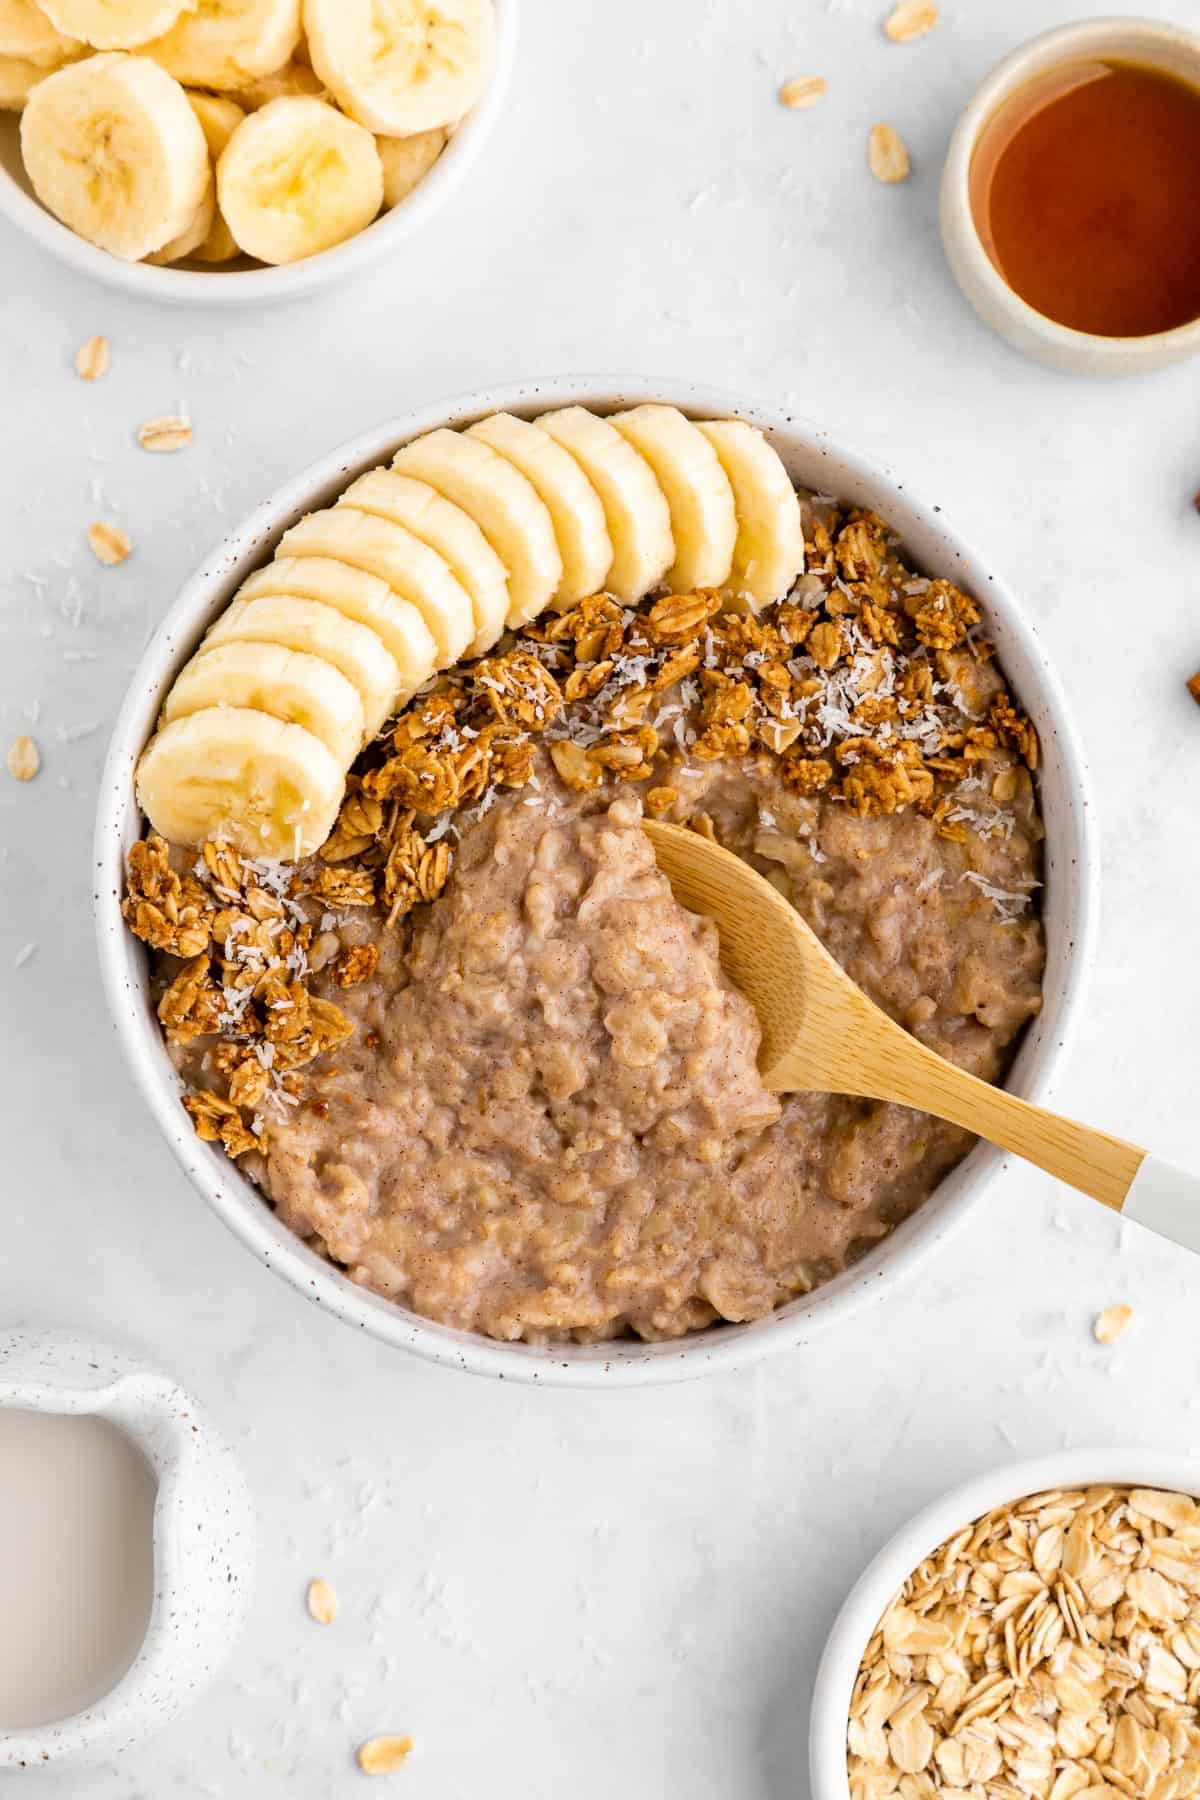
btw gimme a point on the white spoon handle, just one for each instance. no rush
(1167, 1200)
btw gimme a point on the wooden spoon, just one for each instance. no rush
(821, 1033)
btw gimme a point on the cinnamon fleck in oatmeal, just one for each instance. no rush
(475, 1052)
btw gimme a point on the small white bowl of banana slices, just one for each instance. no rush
(277, 144)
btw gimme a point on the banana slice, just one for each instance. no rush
(448, 530)
(411, 569)
(269, 788)
(295, 78)
(189, 241)
(291, 685)
(227, 43)
(360, 597)
(573, 504)
(506, 507)
(18, 78)
(219, 245)
(352, 649)
(27, 32)
(219, 118)
(405, 67)
(700, 499)
(297, 177)
(406, 161)
(635, 508)
(112, 24)
(769, 553)
(113, 149)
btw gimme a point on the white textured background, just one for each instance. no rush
(556, 1593)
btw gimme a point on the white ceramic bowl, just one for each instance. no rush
(203, 1538)
(243, 283)
(816, 460)
(872, 1593)
(1172, 49)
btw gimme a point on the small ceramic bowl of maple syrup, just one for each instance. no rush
(1070, 202)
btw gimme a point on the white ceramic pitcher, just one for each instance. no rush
(203, 1537)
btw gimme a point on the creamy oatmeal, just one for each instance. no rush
(478, 1055)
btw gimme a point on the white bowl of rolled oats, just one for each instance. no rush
(550, 1307)
(1033, 1633)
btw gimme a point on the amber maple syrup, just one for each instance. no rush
(1085, 188)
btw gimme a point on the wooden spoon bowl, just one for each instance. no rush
(821, 1033)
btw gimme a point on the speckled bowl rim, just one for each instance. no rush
(887, 1571)
(816, 457)
(222, 287)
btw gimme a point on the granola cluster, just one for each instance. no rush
(869, 685)
(864, 684)
(474, 733)
(242, 936)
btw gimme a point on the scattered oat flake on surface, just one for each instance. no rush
(803, 90)
(1111, 1324)
(322, 1601)
(1193, 687)
(109, 544)
(92, 358)
(911, 19)
(24, 758)
(384, 1755)
(170, 432)
(887, 154)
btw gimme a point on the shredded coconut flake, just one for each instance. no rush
(1008, 904)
